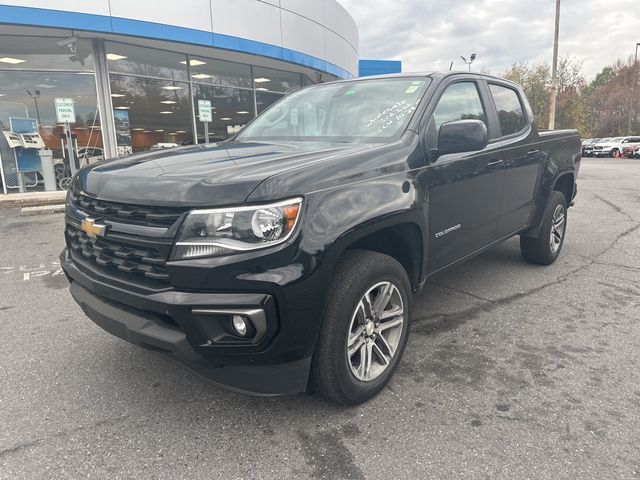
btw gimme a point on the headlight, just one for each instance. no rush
(224, 231)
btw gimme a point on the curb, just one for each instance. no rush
(41, 210)
(9, 203)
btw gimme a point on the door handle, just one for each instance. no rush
(495, 163)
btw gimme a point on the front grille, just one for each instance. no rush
(124, 213)
(120, 253)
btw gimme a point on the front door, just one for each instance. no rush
(464, 189)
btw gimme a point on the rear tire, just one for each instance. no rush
(544, 249)
(364, 330)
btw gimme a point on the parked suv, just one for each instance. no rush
(287, 257)
(629, 147)
(587, 146)
(614, 146)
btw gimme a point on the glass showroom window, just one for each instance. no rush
(34, 71)
(271, 85)
(150, 113)
(276, 80)
(145, 62)
(232, 108)
(265, 99)
(45, 53)
(219, 72)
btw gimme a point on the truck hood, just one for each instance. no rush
(211, 175)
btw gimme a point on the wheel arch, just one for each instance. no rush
(565, 184)
(401, 237)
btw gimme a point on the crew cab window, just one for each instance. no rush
(510, 112)
(460, 101)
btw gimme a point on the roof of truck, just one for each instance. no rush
(437, 75)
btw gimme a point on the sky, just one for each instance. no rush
(428, 34)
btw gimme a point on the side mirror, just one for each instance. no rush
(462, 136)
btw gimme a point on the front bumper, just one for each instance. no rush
(167, 322)
(602, 153)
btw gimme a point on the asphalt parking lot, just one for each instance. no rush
(512, 371)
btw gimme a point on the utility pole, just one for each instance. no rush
(554, 71)
(634, 100)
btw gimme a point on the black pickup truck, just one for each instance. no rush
(285, 259)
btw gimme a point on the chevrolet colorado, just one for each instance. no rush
(285, 259)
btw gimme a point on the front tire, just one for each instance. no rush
(544, 249)
(364, 330)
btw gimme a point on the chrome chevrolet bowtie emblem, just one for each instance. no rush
(91, 228)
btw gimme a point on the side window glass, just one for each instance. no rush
(460, 101)
(510, 113)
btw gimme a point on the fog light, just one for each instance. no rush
(239, 325)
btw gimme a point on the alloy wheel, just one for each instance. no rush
(375, 331)
(557, 228)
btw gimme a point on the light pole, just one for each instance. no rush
(471, 59)
(35, 95)
(554, 71)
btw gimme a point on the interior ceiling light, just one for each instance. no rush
(138, 129)
(166, 112)
(193, 62)
(115, 56)
(172, 87)
(12, 61)
(160, 130)
(84, 73)
(261, 80)
(122, 108)
(168, 102)
(2, 94)
(261, 89)
(117, 95)
(44, 85)
(181, 131)
(201, 76)
(242, 112)
(225, 119)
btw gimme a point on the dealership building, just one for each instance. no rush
(136, 70)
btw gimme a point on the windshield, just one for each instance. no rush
(363, 111)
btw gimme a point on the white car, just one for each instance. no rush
(90, 154)
(614, 146)
(87, 156)
(162, 146)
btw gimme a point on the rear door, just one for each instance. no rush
(522, 159)
(464, 189)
